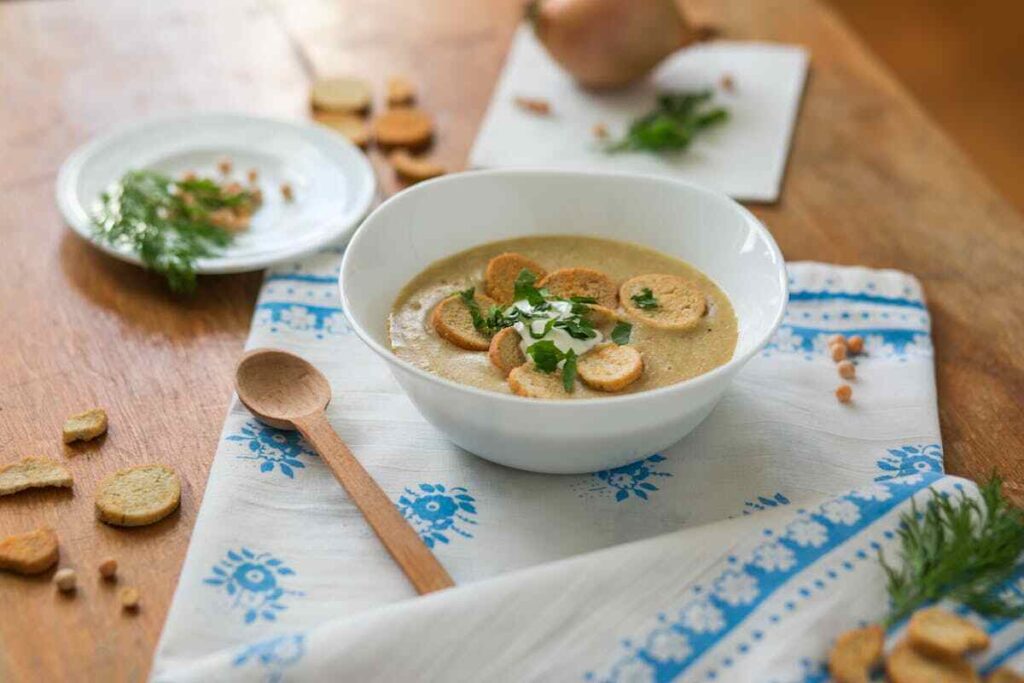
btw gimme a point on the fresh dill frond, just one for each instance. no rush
(166, 222)
(957, 547)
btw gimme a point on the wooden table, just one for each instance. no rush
(871, 181)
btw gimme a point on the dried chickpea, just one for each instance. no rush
(65, 579)
(847, 370)
(287, 192)
(224, 166)
(129, 597)
(600, 131)
(837, 339)
(108, 568)
(253, 175)
(844, 394)
(855, 344)
(837, 351)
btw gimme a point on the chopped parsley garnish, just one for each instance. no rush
(569, 371)
(525, 288)
(546, 356)
(168, 223)
(479, 322)
(672, 125)
(621, 333)
(645, 299)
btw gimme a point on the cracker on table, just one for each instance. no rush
(32, 472)
(137, 496)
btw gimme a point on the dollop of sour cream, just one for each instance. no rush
(560, 310)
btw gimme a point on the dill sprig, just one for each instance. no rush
(166, 222)
(673, 123)
(959, 548)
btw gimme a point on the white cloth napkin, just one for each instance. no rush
(738, 554)
(744, 157)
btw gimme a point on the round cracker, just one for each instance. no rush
(414, 169)
(528, 381)
(502, 272)
(936, 631)
(680, 303)
(136, 496)
(454, 323)
(610, 367)
(570, 282)
(351, 126)
(342, 94)
(405, 127)
(505, 353)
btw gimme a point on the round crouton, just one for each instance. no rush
(345, 95)
(943, 633)
(527, 380)
(502, 272)
(453, 321)
(570, 282)
(405, 127)
(906, 665)
(678, 304)
(504, 352)
(610, 367)
(136, 496)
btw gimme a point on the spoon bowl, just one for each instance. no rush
(279, 387)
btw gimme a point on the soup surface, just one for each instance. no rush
(676, 322)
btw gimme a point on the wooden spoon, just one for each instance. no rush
(286, 392)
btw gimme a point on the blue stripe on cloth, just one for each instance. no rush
(1003, 657)
(861, 297)
(670, 649)
(299, 277)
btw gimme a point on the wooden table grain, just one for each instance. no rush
(871, 181)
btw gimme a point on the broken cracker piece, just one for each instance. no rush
(412, 168)
(137, 496)
(855, 653)
(30, 473)
(85, 426)
(30, 553)
(905, 664)
(129, 597)
(936, 631)
(534, 105)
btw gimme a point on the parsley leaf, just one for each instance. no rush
(546, 356)
(621, 333)
(479, 322)
(569, 371)
(645, 299)
(676, 119)
(577, 328)
(525, 288)
(583, 299)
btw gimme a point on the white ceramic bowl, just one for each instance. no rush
(439, 218)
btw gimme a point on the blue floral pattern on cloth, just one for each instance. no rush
(910, 461)
(254, 582)
(276, 449)
(716, 609)
(436, 512)
(633, 480)
(320, 321)
(273, 655)
(764, 503)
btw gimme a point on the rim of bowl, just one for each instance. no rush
(732, 365)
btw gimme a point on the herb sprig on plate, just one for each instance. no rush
(957, 547)
(673, 123)
(167, 222)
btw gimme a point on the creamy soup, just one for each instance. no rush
(616, 317)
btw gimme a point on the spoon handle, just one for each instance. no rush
(400, 539)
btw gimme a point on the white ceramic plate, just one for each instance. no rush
(333, 181)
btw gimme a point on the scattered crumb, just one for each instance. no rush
(535, 105)
(65, 579)
(287, 192)
(855, 344)
(847, 370)
(85, 426)
(844, 394)
(600, 131)
(129, 597)
(837, 351)
(728, 83)
(224, 166)
(108, 568)
(253, 175)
